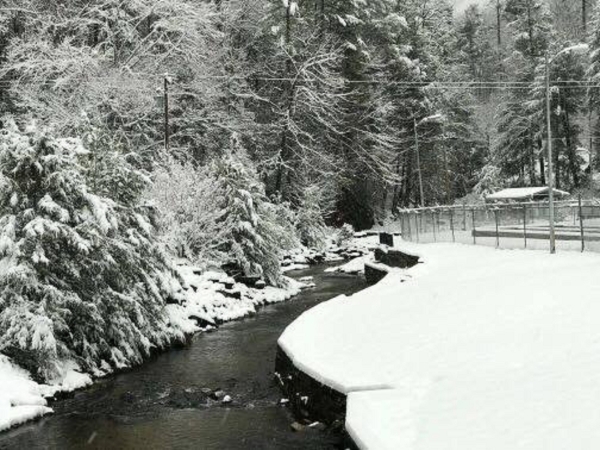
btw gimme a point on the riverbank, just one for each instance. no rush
(167, 401)
(209, 299)
(474, 348)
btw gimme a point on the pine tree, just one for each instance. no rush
(257, 231)
(519, 148)
(82, 277)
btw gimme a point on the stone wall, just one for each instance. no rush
(308, 398)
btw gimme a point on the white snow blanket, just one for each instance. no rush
(22, 399)
(479, 349)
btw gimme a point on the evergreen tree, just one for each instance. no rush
(257, 230)
(519, 148)
(82, 276)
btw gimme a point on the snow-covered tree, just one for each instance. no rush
(520, 121)
(81, 275)
(256, 230)
(190, 211)
(310, 218)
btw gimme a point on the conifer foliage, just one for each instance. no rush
(81, 276)
(258, 230)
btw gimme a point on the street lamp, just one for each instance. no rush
(581, 48)
(435, 117)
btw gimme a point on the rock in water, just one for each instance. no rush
(218, 394)
(297, 426)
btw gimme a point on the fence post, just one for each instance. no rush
(433, 225)
(464, 216)
(581, 224)
(417, 224)
(497, 228)
(474, 228)
(402, 228)
(525, 224)
(452, 224)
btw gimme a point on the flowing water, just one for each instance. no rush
(162, 405)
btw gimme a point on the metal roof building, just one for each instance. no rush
(524, 194)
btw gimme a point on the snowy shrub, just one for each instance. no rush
(310, 221)
(81, 275)
(191, 214)
(490, 180)
(257, 231)
(344, 234)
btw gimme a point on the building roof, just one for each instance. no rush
(524, 193)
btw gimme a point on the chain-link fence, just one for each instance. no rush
(515, 225)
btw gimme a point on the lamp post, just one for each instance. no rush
(581, 48)
(416, 127)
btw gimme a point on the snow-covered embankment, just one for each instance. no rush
(211, 298)
(477, 349)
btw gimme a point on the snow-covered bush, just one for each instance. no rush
(257, 231)
(191, 214)
(344, 234)
(490, 180)
(81, 275)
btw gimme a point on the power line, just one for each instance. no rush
(571, 84)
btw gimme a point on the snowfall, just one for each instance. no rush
(473, 348)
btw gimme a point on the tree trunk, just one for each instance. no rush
(532, 177)
(407, 179)
(283, 151)
(397, 184)
(541, 159)
(530, 34)
(569, 141)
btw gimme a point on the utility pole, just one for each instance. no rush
(584, 15)
(550, 162)
(419, 163)
(166, 101)
(498, 23)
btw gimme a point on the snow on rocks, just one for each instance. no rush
(354, 266)
(479, 349)
(214, 297)
(22, 399)
(301, 258)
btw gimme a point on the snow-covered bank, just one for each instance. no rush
(477, 349)
(214, 297)
(211, 298)
(22, 399)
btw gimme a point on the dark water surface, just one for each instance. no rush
(160, 405)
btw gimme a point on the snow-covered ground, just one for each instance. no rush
(22, 399)
(212, 298)
(478, 349)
